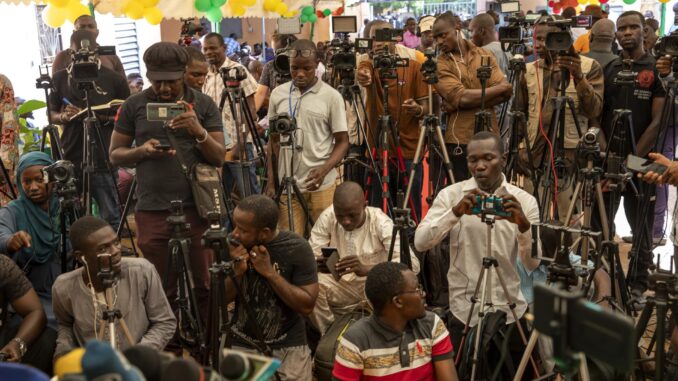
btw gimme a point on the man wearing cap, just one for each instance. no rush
(426, 29)
(215, 52)
(602, 37)
(194, 136)
(581, 44)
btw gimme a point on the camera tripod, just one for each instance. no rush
(50, 131)
(111, 314)
(486, 304)
(70, 211)
(189, 321)
(483, 121)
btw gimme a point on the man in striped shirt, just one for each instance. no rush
(401, 341)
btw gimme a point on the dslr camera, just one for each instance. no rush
(561, 41)
(491, 204)
(59, 172)
(282, 124)
(85, 61)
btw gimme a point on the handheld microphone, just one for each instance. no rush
(241, 366)
(102, 362)
(182, 370)
(149, 361)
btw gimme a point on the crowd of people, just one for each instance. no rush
(314, 221)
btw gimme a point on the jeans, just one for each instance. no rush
(396, 183)
(233, 175)
(103, 188)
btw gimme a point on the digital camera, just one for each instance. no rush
(60, 172)
(490, 205)
(282, 124)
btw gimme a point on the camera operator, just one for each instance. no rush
(451, 213)
(63, 59)
(199, 135)
(66, 101)
(215, 52)
(650, 34)
(460, 88)
(270, 77)
(321, 135)
(645, 100)
(196, 69)
(277, 277)
(30, 341)
(541, 83)
(408, 103)
(362, 236)
(79, 295)
(29, 228)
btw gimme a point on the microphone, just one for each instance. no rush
(182, 370)
(15, 371)
(241, 366)
(84, 44)
(70, 365)
(103, 363)
(149, 361)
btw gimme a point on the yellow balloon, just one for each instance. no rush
(250, 3)
(74, 10)
(582, 2)
(269, 5)
(54, 16)
(281, 8)
(237, 10)
(149, 3)
(134, 10)
(58, 3)
(153, 15)
(664, 1)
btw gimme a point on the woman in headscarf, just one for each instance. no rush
(29, 228)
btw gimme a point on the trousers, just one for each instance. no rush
(317, 202)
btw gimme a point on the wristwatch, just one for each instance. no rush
(22, 345)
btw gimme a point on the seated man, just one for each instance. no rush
(278, 284)
(371, 348)
(29, 228)
(79, 295)
(29, 342)
(362, 236)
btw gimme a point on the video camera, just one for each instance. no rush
(343, 58)
(517, 34)
(281, 64)
(59, 172)
(668, 45)
(86, 62)
(386, 61)
(233, 76)
(282, 124)
(562, 40)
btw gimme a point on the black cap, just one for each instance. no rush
(165, 61)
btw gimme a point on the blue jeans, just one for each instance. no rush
(397, 183)
(233, 174)
(103, 189)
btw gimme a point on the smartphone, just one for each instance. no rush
(162, 112)
(328, 251)
(641, 165)
(163, 147)
(331, 264)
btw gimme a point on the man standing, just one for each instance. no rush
(451, 213)
(407, 105)
(426, 29)
(199, 138)
(401, 341)
(410, 38)
(461, 89)
(362, 236)
(278, 280)
(540, 85)
(215, 52)
(196, 70)
(321, 137)
(645, 100)
(602, 38)
(581, 44)
(483, 35)
(67, 100)
(651, 37)
(79, 296)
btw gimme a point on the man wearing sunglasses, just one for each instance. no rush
(321, 137)
(401, 340)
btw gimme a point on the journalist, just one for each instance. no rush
(451, 213)
(278, 285)
(534, 95)
(196, 69)
(270, 77)
(362, 236)
(483, 35)
(199, 138)
(461, 89)
(214, 49)
(321, 137)
(602, 38)
(66, 101)
(29, 228)
(407, 105)
(426, 31)
(79, 295)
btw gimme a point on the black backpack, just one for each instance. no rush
(327, 347)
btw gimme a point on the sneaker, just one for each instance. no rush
(627, 239)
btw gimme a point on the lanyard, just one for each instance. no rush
(289, 100)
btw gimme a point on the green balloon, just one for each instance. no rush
(313, 18)
(218, 3)
(327, 12)
(303, 18)
(202, 5)
(308, 10)
(629, 2)
(214, 15)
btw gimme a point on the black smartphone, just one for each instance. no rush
(327, 251)
(163, 147)
(641, 165)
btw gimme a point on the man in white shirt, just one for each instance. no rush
(362, 236)
(451, 213)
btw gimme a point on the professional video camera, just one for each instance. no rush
(518, 31)
(281, 64)
(282, 124)
(59, 172)
(86, 62)
(343, 58)
(233, 75)
(668, 45)
(562, 40)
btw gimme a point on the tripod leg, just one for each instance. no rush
(467, 325)
(415, 162)
(125, 330)
(527, 355)
(479, 326)
(446, 156)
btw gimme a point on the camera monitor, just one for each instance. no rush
(363, 43)
(510, 7)
(344, 24)
(289, 26)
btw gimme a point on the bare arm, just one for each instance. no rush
(33, 315)
(445, 370)
(647, 140)
(121, 152)
(260, 96)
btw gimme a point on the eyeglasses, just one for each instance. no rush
(419, 289)
(300, 53)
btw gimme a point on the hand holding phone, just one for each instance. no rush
(641, 165)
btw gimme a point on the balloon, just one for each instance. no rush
(661, 1)
(58, 3)
(327, 12)
(312, 18)
(303, 18)
(606, 1)
(281, 8)
(551, 3)
(53, 16)
(214, 15)
(308, 11)
(218, 3)
(557, 8)
(319, 14)
(75, 10)
(153, 15)
(134, 10)
(289, 14)
(583, 2)
(629, 2)
(269, 5)
(149, 3)
(202, 5)
(238, 10)
(250, 3)
(340, 11)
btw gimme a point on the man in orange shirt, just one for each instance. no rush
(581, 44)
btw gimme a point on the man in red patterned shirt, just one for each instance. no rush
(401, 341)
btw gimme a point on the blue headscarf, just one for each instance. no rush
(43, 228)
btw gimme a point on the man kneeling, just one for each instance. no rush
(362, 236)
(79, 298)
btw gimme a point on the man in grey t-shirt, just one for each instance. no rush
(320, 140)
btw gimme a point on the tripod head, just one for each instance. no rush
(105, 273)
(626, 77)
(216, 238)
(232, 77)
(177, 220)
(44, 81)
(430, 67)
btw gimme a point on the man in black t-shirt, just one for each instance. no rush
(278, 280)
(194, 136)
(645, 99)
(66, 101)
